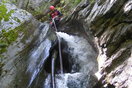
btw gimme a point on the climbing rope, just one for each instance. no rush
(53, 70)
(60, 55)
(53, 60)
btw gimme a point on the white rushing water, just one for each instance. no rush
(67, 80)
(82, 54)
(81, 51)
(39, 54)
(36, 62)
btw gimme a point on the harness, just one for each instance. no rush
(54, 14)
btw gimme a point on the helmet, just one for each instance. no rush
(51, 7)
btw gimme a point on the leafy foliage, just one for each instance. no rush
(4, 14)
(5, 1)
(66, 5)
(7, 38)
(92, 1)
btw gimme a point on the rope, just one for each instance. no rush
(53, 72)
(60, 55)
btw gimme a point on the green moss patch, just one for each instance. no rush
(4, 15)
(6, 38)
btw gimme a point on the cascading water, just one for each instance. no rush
(81, 51)
(36, 62)
(84, 64)
(79, 63)
(39, 54)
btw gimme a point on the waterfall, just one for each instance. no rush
(80, 56)
(83, 57)
(81, 51)
(39, 54)
(60, 54)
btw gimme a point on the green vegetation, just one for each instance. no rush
(1, 65)
(4, 15)
(66, 6)
(7, 38)
(5, 1)
(92, 1)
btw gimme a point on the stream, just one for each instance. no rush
(78, 59)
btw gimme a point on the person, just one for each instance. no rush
(55, 16)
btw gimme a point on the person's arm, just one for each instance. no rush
(60, 14)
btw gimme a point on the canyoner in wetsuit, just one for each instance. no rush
(55, 16)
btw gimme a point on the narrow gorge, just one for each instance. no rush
(94, 38)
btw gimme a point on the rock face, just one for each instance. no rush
(16, 59)
(110, 22)
(25, 57)
(9, 34)
(34, 5)
(17, 17)
(13, 62)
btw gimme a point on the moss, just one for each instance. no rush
(5, 1)
(16, 19)
(6, 38)
(92, 1)
(4, 14)
(1, 65)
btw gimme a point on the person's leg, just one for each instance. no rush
(57, 22)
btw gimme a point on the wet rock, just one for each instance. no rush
(80, 81)
(8, 57)
(32, 36)
(18, 17)
(110, 21)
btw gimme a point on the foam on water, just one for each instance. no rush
(81, 51)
